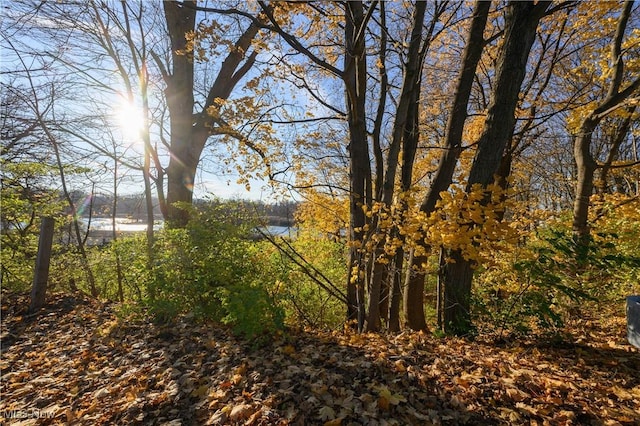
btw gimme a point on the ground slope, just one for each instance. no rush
(77, 363)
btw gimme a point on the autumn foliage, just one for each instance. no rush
(83, 362)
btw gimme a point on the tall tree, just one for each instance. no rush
(157, 61)
(414, 284)
(191, 126)
(521, 23)
(353, 76)
(355, 81)
(404, 139)
(616, 96)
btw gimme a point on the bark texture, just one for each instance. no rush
(190, 129)
(354, 77)
(415, 278)
(522, 20)
(402, 138)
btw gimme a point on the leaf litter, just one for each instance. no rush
(78, 363)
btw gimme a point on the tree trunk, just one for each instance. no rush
(43, 260)
(396, 293)
(415, 279)
(586, 167)
(404, 120)
(455, 282)
(378, 275)
(413, 295)
(585, 162)
(179, 92)
(442, 259)
(618, 138)
(190, 131)
(354, 76)
(114, 233)
(520, 29)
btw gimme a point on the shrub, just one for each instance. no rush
(209, 268)
(551, 277)
(304, 300)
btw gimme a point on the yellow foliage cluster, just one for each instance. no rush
(205, 42)
(594, 19)
(615, 212)
(470, 222)
(324, 213)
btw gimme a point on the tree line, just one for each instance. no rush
(424, 135)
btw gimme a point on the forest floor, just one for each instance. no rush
(77, 362)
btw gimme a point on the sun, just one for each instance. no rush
(130, 120)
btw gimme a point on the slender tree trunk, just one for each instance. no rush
(80, 241)
(442, 259)
(585, 162)
(586, 167)
(355, 74)
(618, 138)
(403, 121)
(396, 292)
(378, 275)
(114, 233)
(379, 158)
(386, 294)
(413, 295)
(415, 279)
(146, 173)
(43, 260)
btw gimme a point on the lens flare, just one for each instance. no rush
(130, 120)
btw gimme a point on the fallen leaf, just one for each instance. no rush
(327, 413)
(241, 412)
(200, 391)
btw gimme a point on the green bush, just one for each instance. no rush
(552, 277)
(209, 269)
(304, 300)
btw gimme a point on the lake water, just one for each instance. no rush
(123, 225)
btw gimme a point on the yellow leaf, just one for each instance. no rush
(200, 391)
(386, 398)
(400, 367)
(241, 370)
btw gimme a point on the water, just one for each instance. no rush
(122, 225)
(280, 231)
(102, 228)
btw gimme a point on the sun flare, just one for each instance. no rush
(130, 119)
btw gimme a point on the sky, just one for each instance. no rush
(209, 181)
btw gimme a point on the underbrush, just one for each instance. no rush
(214, 269)
(552, 279)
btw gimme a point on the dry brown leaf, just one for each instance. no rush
(241, 412)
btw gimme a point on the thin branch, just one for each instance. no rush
(295, 43)
(307, 268)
